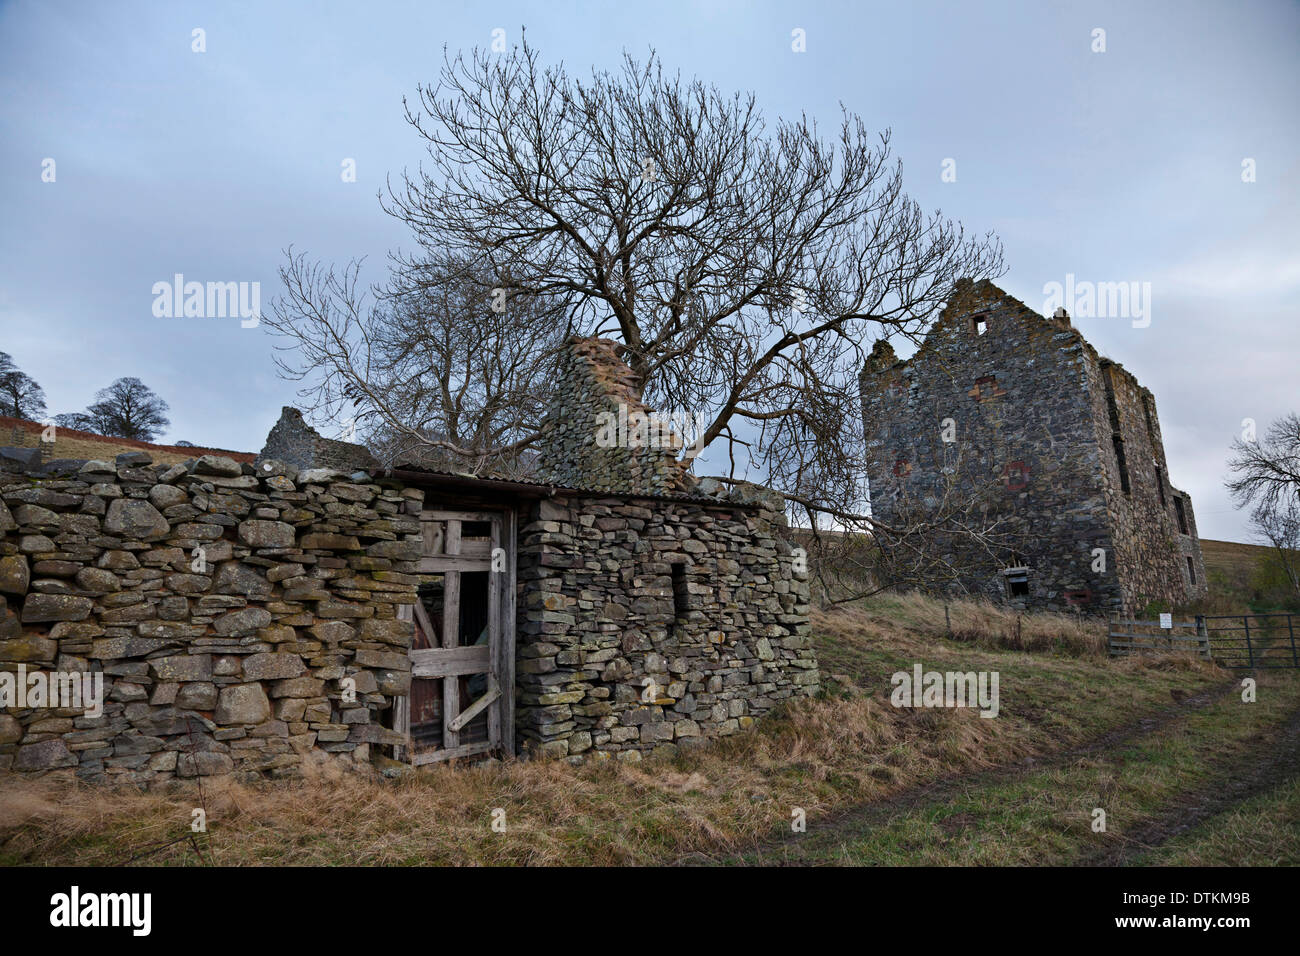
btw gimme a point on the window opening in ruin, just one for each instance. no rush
(1181, 512)
(1017, 581)
(1160, 485)
(1120, 462)
(681, 595)
(979, 324)
(1146, 410)
(1191, 571)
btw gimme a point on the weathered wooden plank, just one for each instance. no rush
(438, 563)
(431, 536)
(476, 548)
(450, 661)
(1185, 638)
(402, 705)
(449, 753)
(494, 635)
(451, 544)
(451, 638)
(429, 514)
(426, 625)
(1156, 647)
(476, 708)
(1167, 648)
(506, 644)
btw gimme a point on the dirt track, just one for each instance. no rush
(1269, 761)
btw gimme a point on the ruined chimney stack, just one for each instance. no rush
(599, 435)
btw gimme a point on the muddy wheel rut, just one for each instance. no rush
(1267, 763)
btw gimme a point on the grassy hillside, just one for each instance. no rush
(1075, 730)
(71, 443)
(1243, 577)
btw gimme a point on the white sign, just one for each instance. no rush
(1166, 620)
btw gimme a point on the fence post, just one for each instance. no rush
(1290, 627)
(1203, 635)
(1250, 650)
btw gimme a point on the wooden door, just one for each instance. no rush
(461, 701)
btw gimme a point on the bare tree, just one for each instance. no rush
(1267, 471)
(78, 420)
(740, 270)
(743, 267)
(439, 366)
(20, 395)
(1266, 477)
(126, 409)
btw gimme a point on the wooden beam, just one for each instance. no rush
(426, 625)
(476, 708)
(506, 645)
(449, 753)
(450, 639)
(495, 595)
(438, 563)
(430, 514)
(449, 661)
(431, 535)
(402, 705)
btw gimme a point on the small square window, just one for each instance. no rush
(1017, 582)
(979, 324)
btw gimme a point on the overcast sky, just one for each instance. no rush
(1122, 165)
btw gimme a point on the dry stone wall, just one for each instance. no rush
(648, 625)
(243, 617)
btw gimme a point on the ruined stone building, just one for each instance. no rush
(256, 617)
(1055, 447)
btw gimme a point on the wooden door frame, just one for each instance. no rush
(500, 656)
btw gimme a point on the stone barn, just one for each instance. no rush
(255, 618)
(1019, 416)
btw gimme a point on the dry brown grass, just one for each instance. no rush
(729, 795)
(974, 621)
(824, 756)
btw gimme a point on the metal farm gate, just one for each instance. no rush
(1266, 641)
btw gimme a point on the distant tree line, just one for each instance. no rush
(126, 409)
